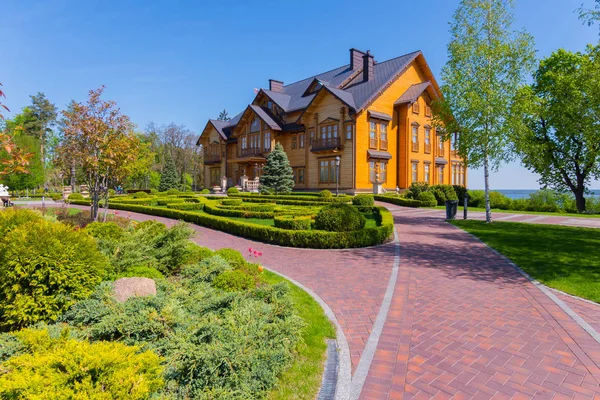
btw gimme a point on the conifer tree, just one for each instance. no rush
(277, 175)
(169, 179)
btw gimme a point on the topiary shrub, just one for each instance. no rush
(233, 190)
(45, 268)
(295, 223)
(140, 195)
(63, 368)
(205, 191)
(443, 193)
(105, 230)
(234, 281)
(364, 202)
(428, 199)
(231, 202)
(325, 193)
(416, 188)
(172, 191)
(75, 196)
(339, 217)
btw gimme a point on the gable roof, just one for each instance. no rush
(412, 93)
(266, 117)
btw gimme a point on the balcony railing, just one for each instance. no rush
(250, 151)
(427, 148)
(212, 158)
(383, 144)
(441, 152)
(415, 146)
(372, 143)
(320, 144)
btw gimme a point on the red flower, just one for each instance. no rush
(249, 249)
(260, 253)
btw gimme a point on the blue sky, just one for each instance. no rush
(184, 61)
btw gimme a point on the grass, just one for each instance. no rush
(561, 257)
(555, 214)
(303, 379)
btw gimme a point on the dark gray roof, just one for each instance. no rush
(412, 93)
(282, 100)
(440, 160)
(379, 115)
(219, 125)
(379, 155)
(266, 117)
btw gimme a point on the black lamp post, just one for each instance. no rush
(337, 175)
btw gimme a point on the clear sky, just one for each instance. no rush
(184, 61)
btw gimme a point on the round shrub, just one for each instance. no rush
(325, 193)
(75, 196)
(293, 222)
(443, 193)
(63, 368)
(111, 192)
(153, 191)
(363, 200)
(140, 195)
(172, 191)
(428, 199)
(233, 281)
(105, 230)
(233, 257)
(232, 190)
(205, 191)
(231, 202)
(339, 217)
(45, 267)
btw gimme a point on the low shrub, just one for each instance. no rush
(339, 217)
(325, 193)
(63, 368)
(416, 188)
(546, 200)
(14, 217)
(497, 199)
(105, 230)
(460, 193)
(205, 191)
(196, 253)
(233, 281)
(171, 192)
(45, 268)
(164, 202)
(427, 199)
(225, 212)
(443, 193)
(363, 200)
(140, 195)
(143, 271)
(231, 202)
(232, 190)
(399, 201)
(233, 257)
(129, 200)
(75, 196)
(296, 223)
(186, 206)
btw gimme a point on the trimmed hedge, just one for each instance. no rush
(295, 223)
(143, 201)
(225, 212)
(164, 202)
(231, 202)
(283, 237)
(186, 206)
(399, 201)
(303, 198)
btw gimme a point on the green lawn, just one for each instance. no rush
(561, 257)
(496, 210)
(303, 379)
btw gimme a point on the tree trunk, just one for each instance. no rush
(73, 178)
(580, 199)
(486, 172)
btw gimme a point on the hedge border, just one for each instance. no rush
(268, 234)
(399, 201)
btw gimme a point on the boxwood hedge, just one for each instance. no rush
(399, 201)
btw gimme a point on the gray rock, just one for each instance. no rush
(131, 287)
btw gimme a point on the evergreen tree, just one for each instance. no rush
(169, 178)
(277, 175)
(223, 116)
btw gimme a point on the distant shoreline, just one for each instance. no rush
(524, 193)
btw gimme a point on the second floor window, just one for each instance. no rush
(426, 172)
(383, 136)
(267, 141)
(255, 125)
(373, 135)
(427, 135)
(415, 134)
(244, 142)
(348, 131)
(294, 142)
(415, 172)
(329, 131)
(301, 140)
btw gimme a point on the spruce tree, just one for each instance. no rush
(169, 179)
(277, 175)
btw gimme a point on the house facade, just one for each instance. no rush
(375, 116)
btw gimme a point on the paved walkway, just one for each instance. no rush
(462, 323)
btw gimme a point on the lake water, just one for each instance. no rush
(524, 193)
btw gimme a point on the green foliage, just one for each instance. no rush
(164, 202)
(140, 195)
(169, 178)
(186, 206)
(339, 217)
(325, 193)
(34, 176)
(233, 281)
(205, 191)
(172, 192)
(141, 271)
(15, 217)
(296, 223)
(427, 199)
(231, 202)
(105, 230)
(233, 257)
(416, 188)
(67, 368)
(497, 199)
(45, 267)
(443, 193)
(232, 190)
(399, 201)
(75, 196)
(460, 193)
(556, 122)
(196, 253)
(363, 200)
(277, 175)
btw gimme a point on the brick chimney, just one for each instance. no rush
(356, 58)
(275, 86)
(368, 67)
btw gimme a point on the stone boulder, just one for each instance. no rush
(131, 287)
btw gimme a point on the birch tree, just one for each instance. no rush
(487, 62)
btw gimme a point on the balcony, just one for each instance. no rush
(324, 144)
(212, 158)
(250, 152)
(415, 147)
(427, 148)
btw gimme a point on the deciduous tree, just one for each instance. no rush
(487, 62)
(277, 175)
(557, 122)
(12, 158)
(588, 15)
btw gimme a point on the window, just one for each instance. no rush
(311, 133)
(267, 141)
(383, 171)
(441, 152)
(426, 172)
(301, 140)
(427, 111)
(348, 131)
(383, 143)
(300, 175)
(294, 142)
(427, 139)
(415, 138)
(255, 125)
(372, 171)
(244, 142)
(415, 107)
(327, 171)
(215, 176)
(270, 105)
(454, 174)
(329, 131)
(415, 172)
(373, 135)
(440, 174)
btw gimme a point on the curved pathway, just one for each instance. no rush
(462, 322)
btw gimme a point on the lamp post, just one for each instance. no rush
(337, 175)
